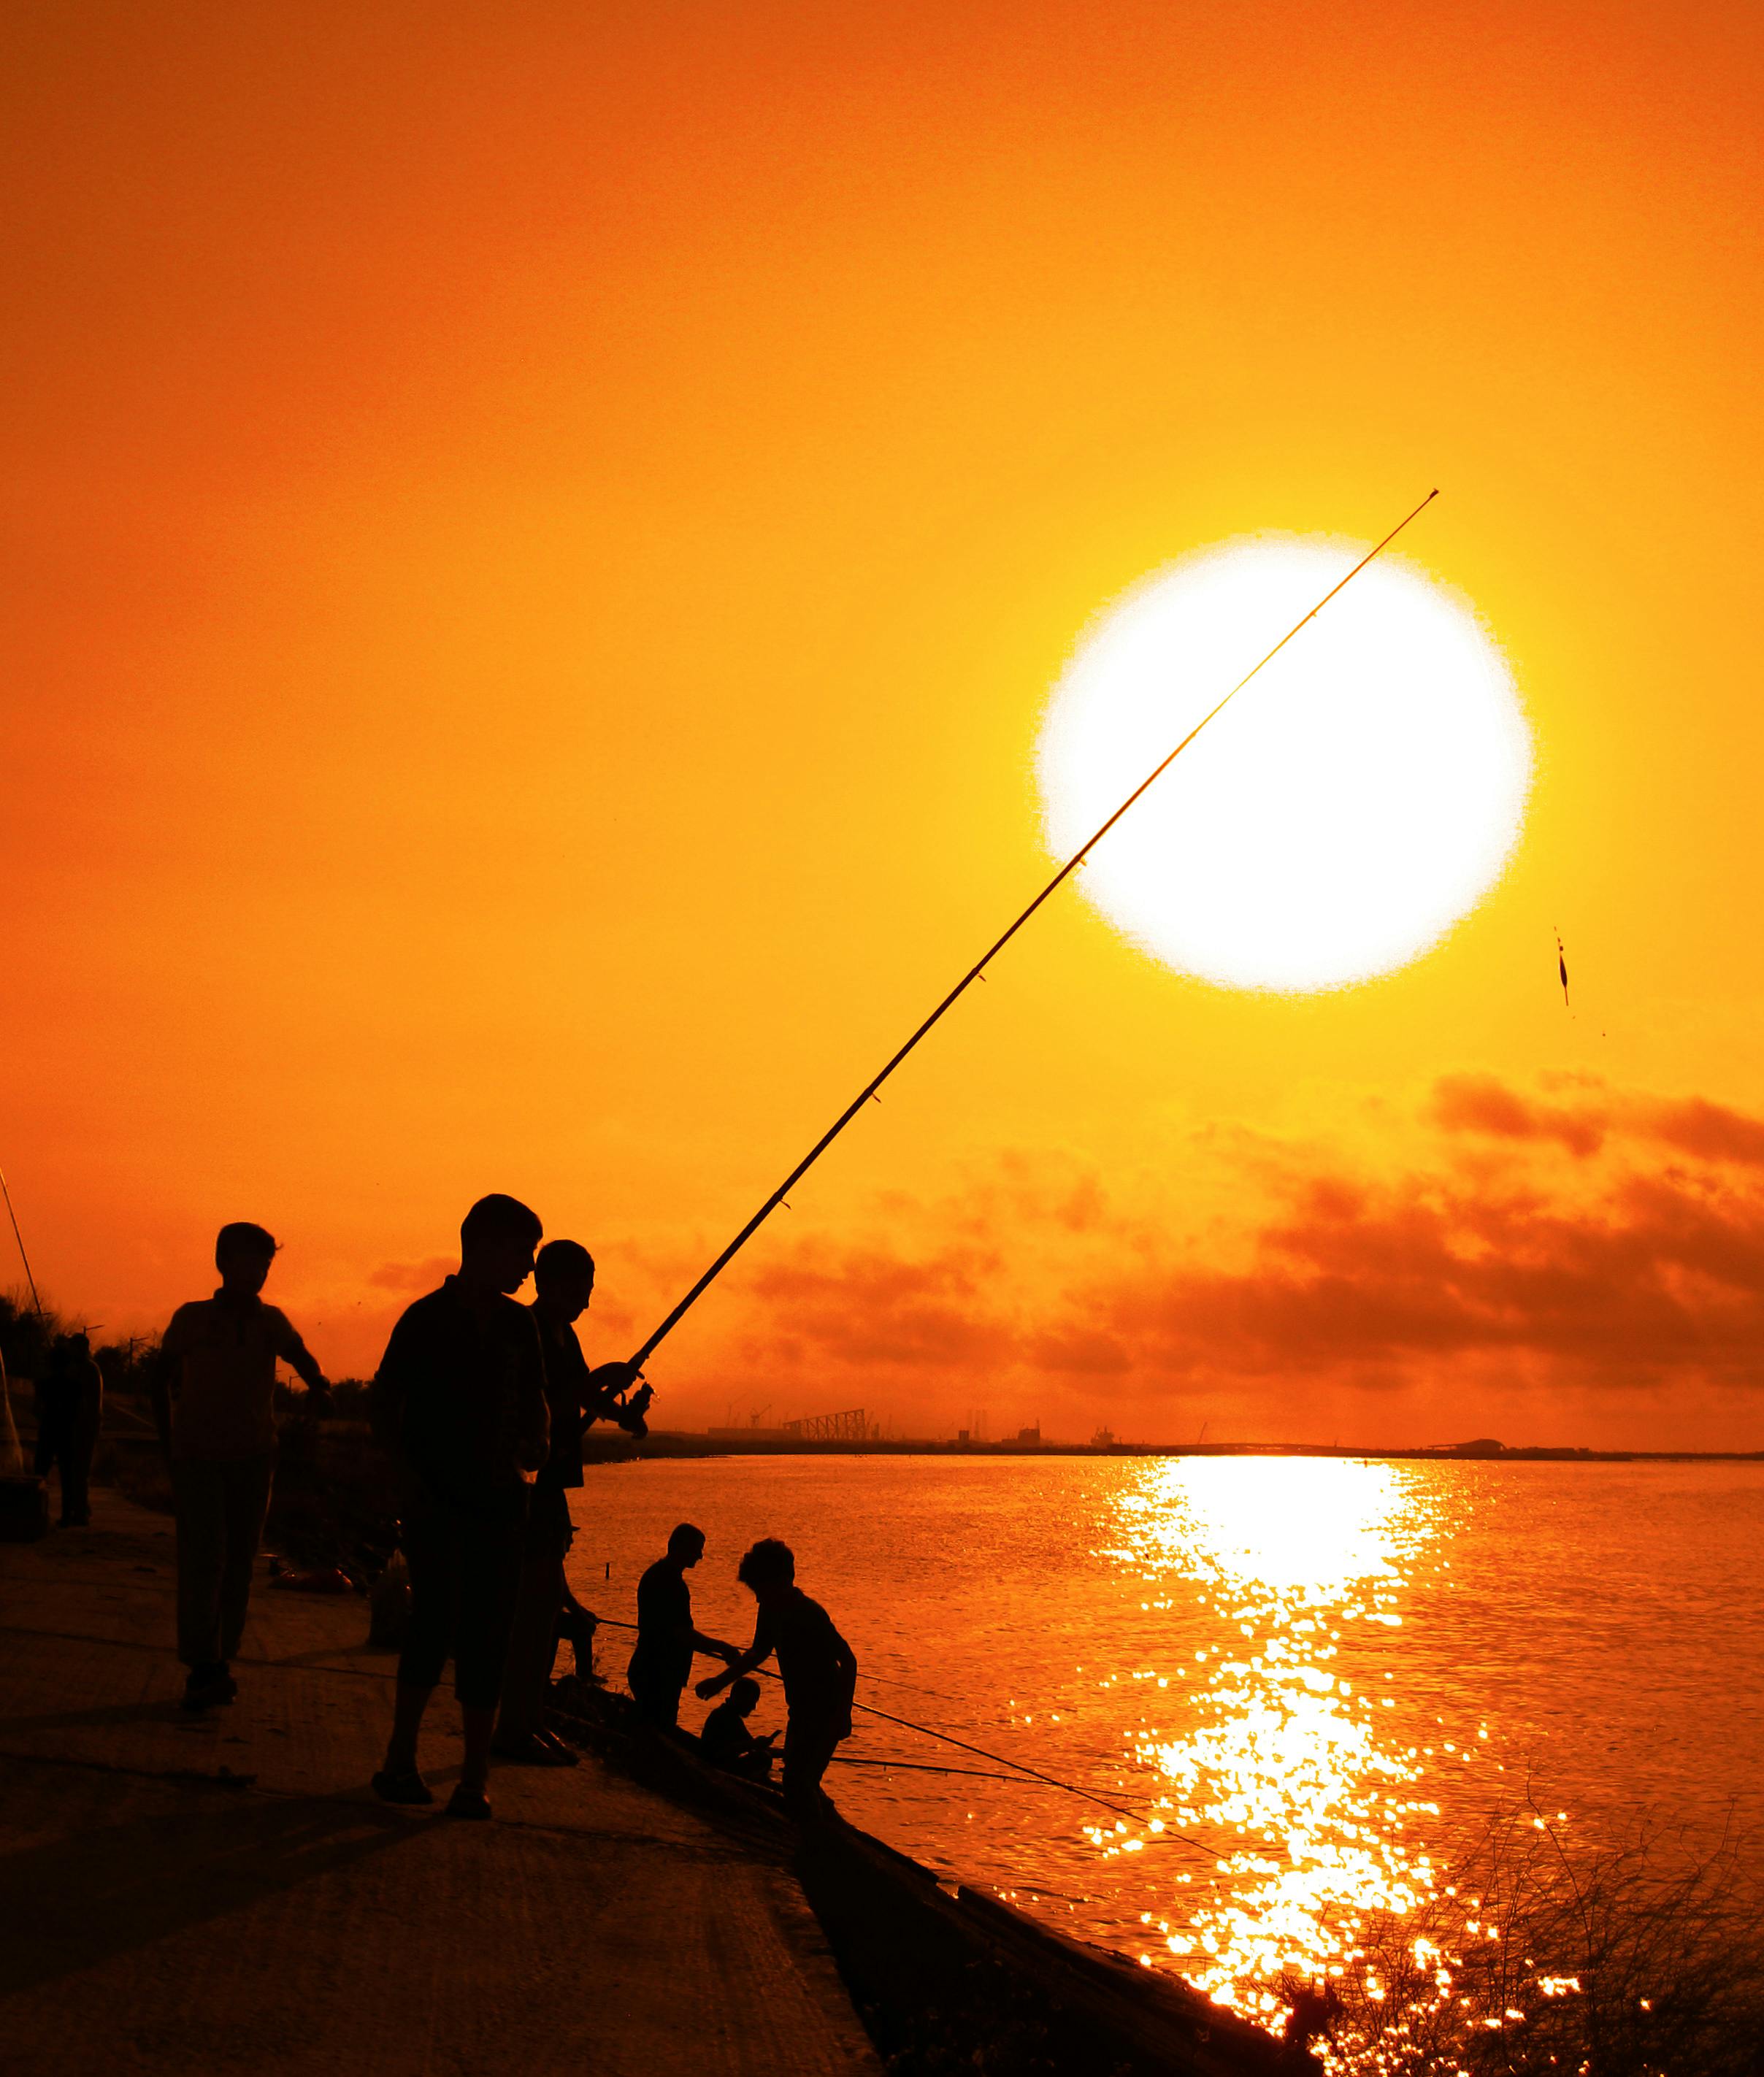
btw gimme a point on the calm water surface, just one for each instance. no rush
(1307, 1680)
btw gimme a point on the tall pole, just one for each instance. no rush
(35, 1301)
(977, 972)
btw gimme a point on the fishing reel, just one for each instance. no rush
(626, 1406)
(628, 1409)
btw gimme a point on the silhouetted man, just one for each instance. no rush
(819, 1670)
(661, 1665)
(70, 1408)
(459, 1402)
(213, 1393)
(563, 1283)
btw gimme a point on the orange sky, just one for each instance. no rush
(536, 540)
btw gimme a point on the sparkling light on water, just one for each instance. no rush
(1277, 1763)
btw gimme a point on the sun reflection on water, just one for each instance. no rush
(1293, 1776)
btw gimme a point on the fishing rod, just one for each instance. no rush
(924, 1766)
(977, 972)
(37, 1303)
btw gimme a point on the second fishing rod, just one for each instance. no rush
(872, 1088)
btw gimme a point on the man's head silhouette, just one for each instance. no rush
(498, 1237)
(242, 1254)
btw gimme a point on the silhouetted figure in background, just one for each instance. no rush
(213, 1393)
(70, 1409)
(563, 1283)
(459, 1402)
(727, 1741)
(819, 1670)
(661, 1665)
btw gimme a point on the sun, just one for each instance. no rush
(1355, 800)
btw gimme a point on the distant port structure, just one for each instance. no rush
(852, 1426)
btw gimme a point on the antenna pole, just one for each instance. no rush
(977, 972)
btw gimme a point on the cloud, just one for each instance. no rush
(870, 1305)
(1641, 1272)
(1571, 1235)
(413, 1276)
(1706, 1131)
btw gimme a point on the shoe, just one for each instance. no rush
(468, 1803)
(531, 1749)
(401, 1784)
(208, 1687)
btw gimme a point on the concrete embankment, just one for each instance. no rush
(203, 1894)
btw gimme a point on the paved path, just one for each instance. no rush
(157, 1912)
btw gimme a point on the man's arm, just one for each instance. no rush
(296, 1355)
(757, 1654)
(847, 1664)
(532, 1409)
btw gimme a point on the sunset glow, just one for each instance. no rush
(562, 564)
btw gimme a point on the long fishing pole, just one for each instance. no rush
(35, 1301)
(977, 972)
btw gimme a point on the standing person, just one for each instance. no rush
(819, 1670)
(70, 1408)
(459, 1402)
(562, 1283)
(661, 1665)
(213, 1394)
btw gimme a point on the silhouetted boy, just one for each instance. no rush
(458, 1401)
(661, 1665)
(213, 1393)
(563, 1283)
(70, 1409)
(727, 1741)
(819, 1669)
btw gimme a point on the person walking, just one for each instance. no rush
(214, 1396)
(70, 1411)
(576, 1396)
(459, 1402)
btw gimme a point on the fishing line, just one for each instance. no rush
(924, 1766)
(977, 970)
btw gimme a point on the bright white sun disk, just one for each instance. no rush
(1355, 801)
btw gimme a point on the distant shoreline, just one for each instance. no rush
(663, 1444)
